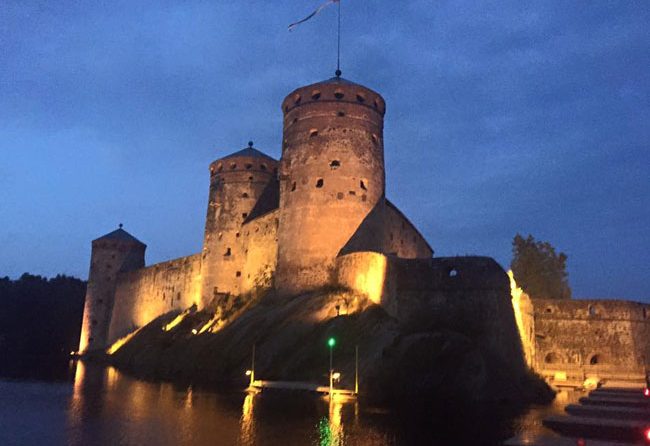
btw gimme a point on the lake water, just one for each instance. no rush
(93, 405)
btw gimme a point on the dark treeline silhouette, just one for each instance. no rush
(40, 317)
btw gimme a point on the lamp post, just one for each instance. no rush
(252, 367)
(356, 370)
(331, 342)
(251, 372)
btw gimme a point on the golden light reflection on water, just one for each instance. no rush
(108, 407)
(247, 421)
(330, 428)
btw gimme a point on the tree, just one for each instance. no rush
(538, 270)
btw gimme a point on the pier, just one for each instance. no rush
(608, 416)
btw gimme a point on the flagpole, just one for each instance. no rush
(338, 44)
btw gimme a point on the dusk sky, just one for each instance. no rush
(502, 117)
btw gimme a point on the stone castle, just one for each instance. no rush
(319, 218)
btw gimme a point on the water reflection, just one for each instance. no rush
(104, 406)
(330, 429)
(247, 422)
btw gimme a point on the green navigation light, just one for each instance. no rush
(331, 342)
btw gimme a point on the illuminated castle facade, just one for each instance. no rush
(318, 217)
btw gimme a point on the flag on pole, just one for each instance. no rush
(319, 9)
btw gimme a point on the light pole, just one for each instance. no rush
(251, 372)
(252, 367)
(356, 370)
(331, 342)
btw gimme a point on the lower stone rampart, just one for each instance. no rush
(143, 295)
(467, 295)
(604, 339)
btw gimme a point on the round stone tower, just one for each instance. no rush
(331, 176)
(236, 183)
(111, 254)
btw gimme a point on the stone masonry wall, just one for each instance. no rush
(147, 293)
(260, 244)
(331, 177)
(109, 258)
(599, 336)
(236, 184)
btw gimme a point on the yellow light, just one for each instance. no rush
(517, 295)
(336, 376)
(206, 326)
(371, 282)
(248, 372)
(177, 320)
(194, 331)
(120, 342)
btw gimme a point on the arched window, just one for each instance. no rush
(319, 183)
(335, 164)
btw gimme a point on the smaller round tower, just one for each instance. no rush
(236, 184)
(111, 254)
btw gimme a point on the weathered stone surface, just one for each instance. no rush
(319, 219)
(112, 254)
(606, 339)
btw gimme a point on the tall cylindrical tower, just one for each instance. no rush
(111, 254)
(331, 176)
(236, 183)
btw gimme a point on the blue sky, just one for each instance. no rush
(502, 117)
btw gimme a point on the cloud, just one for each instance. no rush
(502, 117)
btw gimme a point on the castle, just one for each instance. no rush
(295, 222)
(319, 218)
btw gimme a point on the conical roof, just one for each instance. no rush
(120, 235)
(250, 152)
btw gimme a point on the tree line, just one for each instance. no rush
(39, 316)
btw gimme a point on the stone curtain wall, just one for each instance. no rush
(259, 239)
(469, 295)
(604, 336)
(147, 293)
